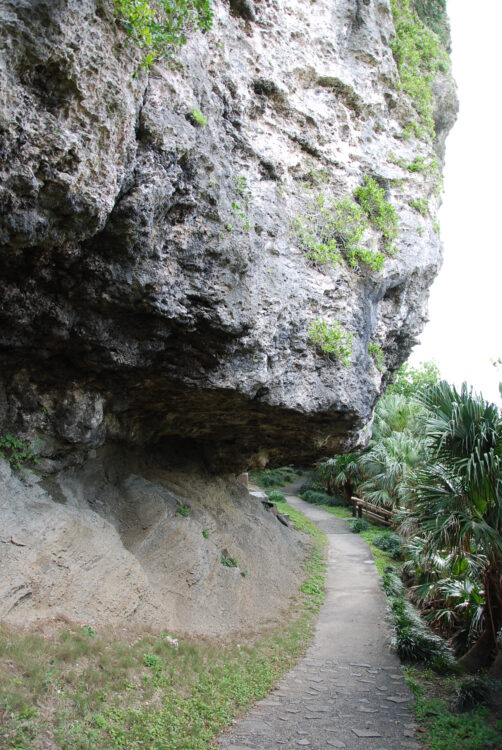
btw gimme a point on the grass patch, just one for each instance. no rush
(100, 692)
(443, 729)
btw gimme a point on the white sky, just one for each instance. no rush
(464, 331)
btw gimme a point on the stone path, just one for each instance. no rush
(348, 692)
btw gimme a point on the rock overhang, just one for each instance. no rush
(153, 284)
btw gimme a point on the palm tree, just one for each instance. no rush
(341, 473)
(386, 465)
(455, 499)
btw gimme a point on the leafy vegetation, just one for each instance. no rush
(380, 213)
(376, 353)
(227, 561)
(159, 28)
(183, 510)
(421, 205)
(17, 452)
(333, 230)
(198, 118)
(270, 478)
(420, 56)
(320, 498)
(276, 496)
(445, 724)
(435, 458)
(358, 525)
(241, 208)
(333, 340)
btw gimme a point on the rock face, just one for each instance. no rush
(153, 291)
(124, 542)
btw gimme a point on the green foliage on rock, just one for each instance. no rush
(421, 205)
(198, 118)
(332, 340)
(380, 213)
(433, 13)
(333, 230)
(227, 561)
(160, 27)
(420, 56)
(376, 353)
(17, 452)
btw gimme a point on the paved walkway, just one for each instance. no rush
(348, 692)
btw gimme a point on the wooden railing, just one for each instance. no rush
(363, 509)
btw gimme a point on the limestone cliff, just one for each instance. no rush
(154, 290)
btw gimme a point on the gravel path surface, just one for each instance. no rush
(348, 691)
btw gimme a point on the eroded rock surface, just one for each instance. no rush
(138, 304)
(125, 542)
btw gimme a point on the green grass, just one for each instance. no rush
(442, 729)
(274, 478)
(79, 690)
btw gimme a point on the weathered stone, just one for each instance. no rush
(366, 733)
(138, 305)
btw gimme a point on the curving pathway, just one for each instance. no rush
(348, 691)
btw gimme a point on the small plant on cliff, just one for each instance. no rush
(198, 118)
(16, 451)
(380, 213)
(183, 510)
(227, 561)
(160, 27)
(332, 231)
(205, 533)
(421, 205)
(332, 340)
(376, 353)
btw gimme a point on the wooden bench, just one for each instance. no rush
(363, 509)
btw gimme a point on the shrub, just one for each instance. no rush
(198, 118)
(273, 477)
(275, 496)
(321, 498)
(16, 451)
(421, 205)
(389, 542)
(332, 231)
(332, 340)
(413, 640)
(183, 510)
(380, 213)
(419, 56)
(358, 525)
(152, 661)
(376, 353)
(160, 28)
(474, 690)
(205, 533)
(227, 561)
(392, 584)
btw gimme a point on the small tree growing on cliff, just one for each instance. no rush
(160, 27)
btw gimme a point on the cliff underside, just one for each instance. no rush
(211, 265)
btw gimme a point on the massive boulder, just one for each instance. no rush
(153, 289)
(157, 289)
